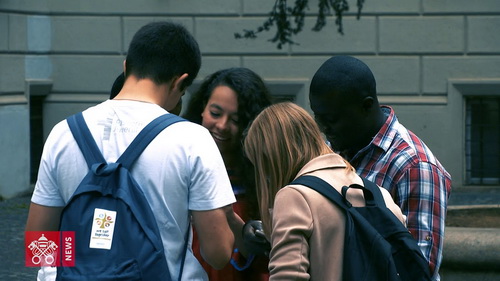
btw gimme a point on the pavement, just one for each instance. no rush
(13, 214)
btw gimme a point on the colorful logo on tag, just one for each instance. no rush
(49, 248)
(103, 226)
(104, 221)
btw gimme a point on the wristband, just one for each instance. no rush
(247, 264)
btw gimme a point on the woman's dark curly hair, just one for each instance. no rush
(253, 96)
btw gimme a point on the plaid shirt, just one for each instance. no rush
(399, 161)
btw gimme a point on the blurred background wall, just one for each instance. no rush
(437, 62)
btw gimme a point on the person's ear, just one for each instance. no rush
(368, 103)
(178, 83)
(124, 67)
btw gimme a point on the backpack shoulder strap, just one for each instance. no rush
(145, 137)
(323, 188)
(93, 155)
(375, 190)
(84, 139)
(371, 192)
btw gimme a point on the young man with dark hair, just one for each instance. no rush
(343, 97)
(181, 172)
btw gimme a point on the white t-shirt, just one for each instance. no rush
(180, 170)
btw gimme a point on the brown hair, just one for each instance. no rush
(281, 140)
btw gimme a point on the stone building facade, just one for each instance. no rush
(434, 61)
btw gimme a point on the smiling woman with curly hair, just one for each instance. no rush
(225, 103)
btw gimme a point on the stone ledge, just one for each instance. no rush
(467, 248)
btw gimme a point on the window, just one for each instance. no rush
(285, 91)
(482, 143)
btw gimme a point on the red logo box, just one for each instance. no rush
(49, 248)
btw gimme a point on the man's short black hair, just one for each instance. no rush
(346, 75)
(161, 51)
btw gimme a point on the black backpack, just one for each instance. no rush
(377, 245)
(116, 234)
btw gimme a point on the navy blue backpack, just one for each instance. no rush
(116, 234)
(377, 246)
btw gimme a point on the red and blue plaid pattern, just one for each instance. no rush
(399, 161)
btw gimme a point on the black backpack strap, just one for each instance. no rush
(323, 188)
(375, 190)
(145, 137)
(84, 139)
(371, 192)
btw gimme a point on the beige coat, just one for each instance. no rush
(308, 230)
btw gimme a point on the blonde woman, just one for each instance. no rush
(305, 229)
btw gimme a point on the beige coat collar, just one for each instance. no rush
(326, 161)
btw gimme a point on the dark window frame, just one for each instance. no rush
(482, 139)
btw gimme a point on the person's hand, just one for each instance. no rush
(254, 238)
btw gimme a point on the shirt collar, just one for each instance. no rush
(326, 161)
(386, 134)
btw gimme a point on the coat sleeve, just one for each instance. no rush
(292, 226)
